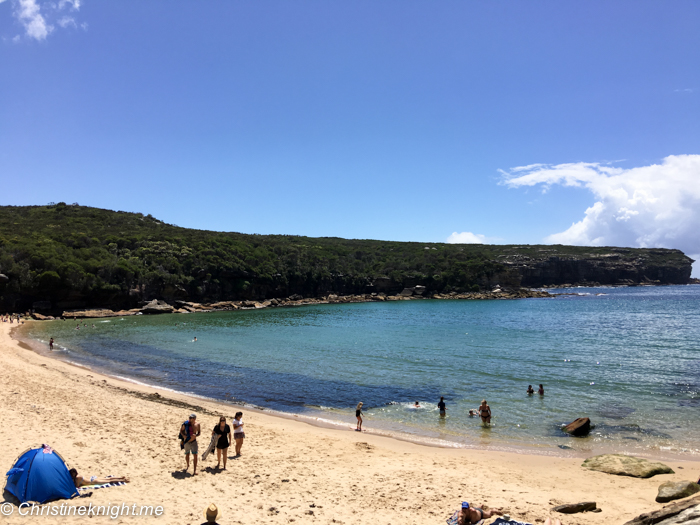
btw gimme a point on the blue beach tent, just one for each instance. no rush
(40, 475)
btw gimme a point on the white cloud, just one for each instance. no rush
(66, 21)
(466, 238)
(37, 17)
(29, 14)
(74, 4)
(648, 206)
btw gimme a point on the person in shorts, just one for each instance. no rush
(188, 433)
(238, 434)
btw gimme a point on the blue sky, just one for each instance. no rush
(398, 120)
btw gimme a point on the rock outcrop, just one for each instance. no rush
(579, 427)
(575, 508)
(686, 512)
(96, 313)
(157, 307)
(671, 490)
(622, 465)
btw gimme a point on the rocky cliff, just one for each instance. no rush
(611, 266)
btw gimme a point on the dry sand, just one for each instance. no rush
(289, 471)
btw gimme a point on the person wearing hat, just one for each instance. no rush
(188, 433)
(470, 514)
(210, 514)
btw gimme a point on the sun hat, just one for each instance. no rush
(211, 513)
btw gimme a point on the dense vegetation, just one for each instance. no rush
(78, 256)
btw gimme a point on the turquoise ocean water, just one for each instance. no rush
(628, 358)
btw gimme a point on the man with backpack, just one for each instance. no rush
(188, 435)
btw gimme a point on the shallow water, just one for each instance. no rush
(628, 359)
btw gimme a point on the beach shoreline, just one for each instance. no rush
(335, 419)
(102, 425)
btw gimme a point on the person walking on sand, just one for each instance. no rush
(224, 433)
(485, 412)
(188, 433)
(541, 390)
(51, 344)
(238, 434)
(358, 415)
(442, 407)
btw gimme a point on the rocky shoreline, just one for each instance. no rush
(157, 306)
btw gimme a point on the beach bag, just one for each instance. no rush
(183, 438)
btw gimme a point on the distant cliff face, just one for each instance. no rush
(618, 266)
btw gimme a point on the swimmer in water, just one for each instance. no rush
(472, 413)
(541, 390)
(530, 390)
(416, 405)
(195, 340)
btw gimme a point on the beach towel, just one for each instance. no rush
(211, 446)
(501, 521)
(103, 486)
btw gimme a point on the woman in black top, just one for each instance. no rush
(224, 433)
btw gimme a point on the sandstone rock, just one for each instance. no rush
(88, 313)
(686, 512)
(419, 289)
(157, 307)
(406, 292)
(3, 278)
(574, 508)
(622, 465)
(676, 490)
(579, 427)
(40, 317)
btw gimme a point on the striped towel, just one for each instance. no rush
(103, 486)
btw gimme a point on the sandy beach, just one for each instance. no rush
(289, 471)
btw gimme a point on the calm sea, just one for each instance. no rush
(628, 358)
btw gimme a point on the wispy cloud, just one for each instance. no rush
(67, 21)
(648, 206)
(38, 18)
(684, 90)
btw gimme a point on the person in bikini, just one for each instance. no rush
(468, 514)
(80, 481)
(485, 412)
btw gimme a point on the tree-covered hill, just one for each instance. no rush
(76, 256)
